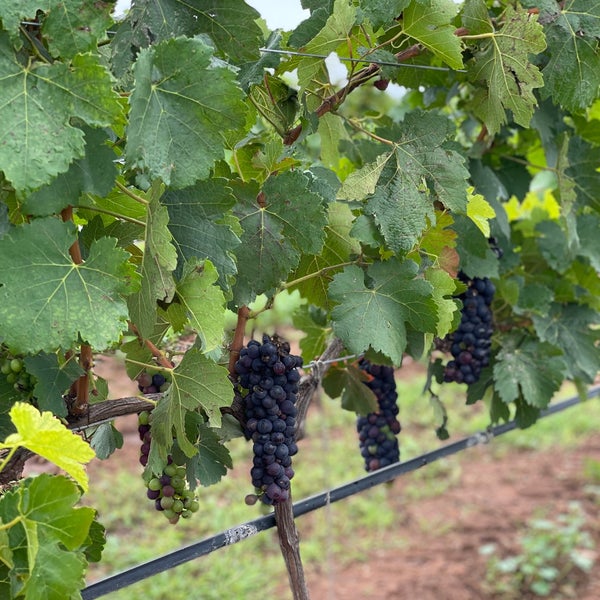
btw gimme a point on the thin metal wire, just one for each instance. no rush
(323, 499)
(383, 63)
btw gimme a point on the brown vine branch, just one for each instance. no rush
(160, 356)
(238, 338)
(363, 75)
(289, 543)
(81, 387)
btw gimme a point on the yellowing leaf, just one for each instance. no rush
(479, 211)
(45, 435)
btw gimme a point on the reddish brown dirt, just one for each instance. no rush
(492, 500)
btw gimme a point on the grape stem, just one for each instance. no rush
(238, 338)
(162, 360)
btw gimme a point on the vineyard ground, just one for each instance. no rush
(418, 537)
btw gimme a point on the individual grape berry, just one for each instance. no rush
(270, 374)
(470, 344)
(377, 431)
(151, 383)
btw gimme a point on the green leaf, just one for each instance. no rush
(571, 328)
(95, 173)
(476, 257)
(196, 384)
(583, 161)
(349, 383)
(202, 226)
(158, 263)
(183, 102)
(503, 64)
(53, 380)
(376, 316)
(334, 33)
(308, 320)
(362, 183)
(203, 302)
(479, 211)
(534, 298)
(444, 287)
(572, 32)
(337, 249)
(291, 222)
(423, 170)
(95, 542)
(53, 531)
(213, 459)
(381, 12)
(230, 24)
(554, 246)
(65, 301)
(331, 130)
(105, 440)
(46, 98)
(430, 22)
(45, 435)
(528, 369)
(587, 231)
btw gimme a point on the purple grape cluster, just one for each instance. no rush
(377, 431)
(151, 384)
(470, 344)
(270, 374)
(168, 489)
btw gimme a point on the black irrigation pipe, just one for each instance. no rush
(250, 528)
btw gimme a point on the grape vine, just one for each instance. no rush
(160, 173)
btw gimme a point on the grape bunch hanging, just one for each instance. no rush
(377, 431)
(270, 374)
(13, 369)
(470, 344)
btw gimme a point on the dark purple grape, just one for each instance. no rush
(271, 379)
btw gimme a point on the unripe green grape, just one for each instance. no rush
(167, 502)
(16, 365)
(181, 471)
(154, 484)
(5, 368)
(194, 506)
(178, 484)
(186, 514)
(169, 513)
(177, 506)
(144, 417)
(11, 377)
(170, 470)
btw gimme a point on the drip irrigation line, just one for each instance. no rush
(250, 528)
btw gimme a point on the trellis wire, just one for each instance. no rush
(250, 528)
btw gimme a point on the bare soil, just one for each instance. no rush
(490, 503)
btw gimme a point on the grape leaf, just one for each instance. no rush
(67, 303)
(429, 22)
(503, 64)
(423, 170)
(377, 316)
(334, 33)
(212, 460)
(337, 249)
(105, 440)
(230, 24)
(68, 26)
(197, 384)
(479, 211)
(570, 328)
(291, 222)
(582, 170)
(54, 532)
(158, 263)
(317, 334)
(587, 231)
(380, 12)
(443, 288)
(94, 173)
(554, 245)
(203, 302)
(202, 227)
(53, 379)
(46, 98)
(46, 436)
(476, 257)
(349, 384)
(534, 298)
(362, 182)
(310, 27)
(183, 101)
(528, 369)
(572, 31)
